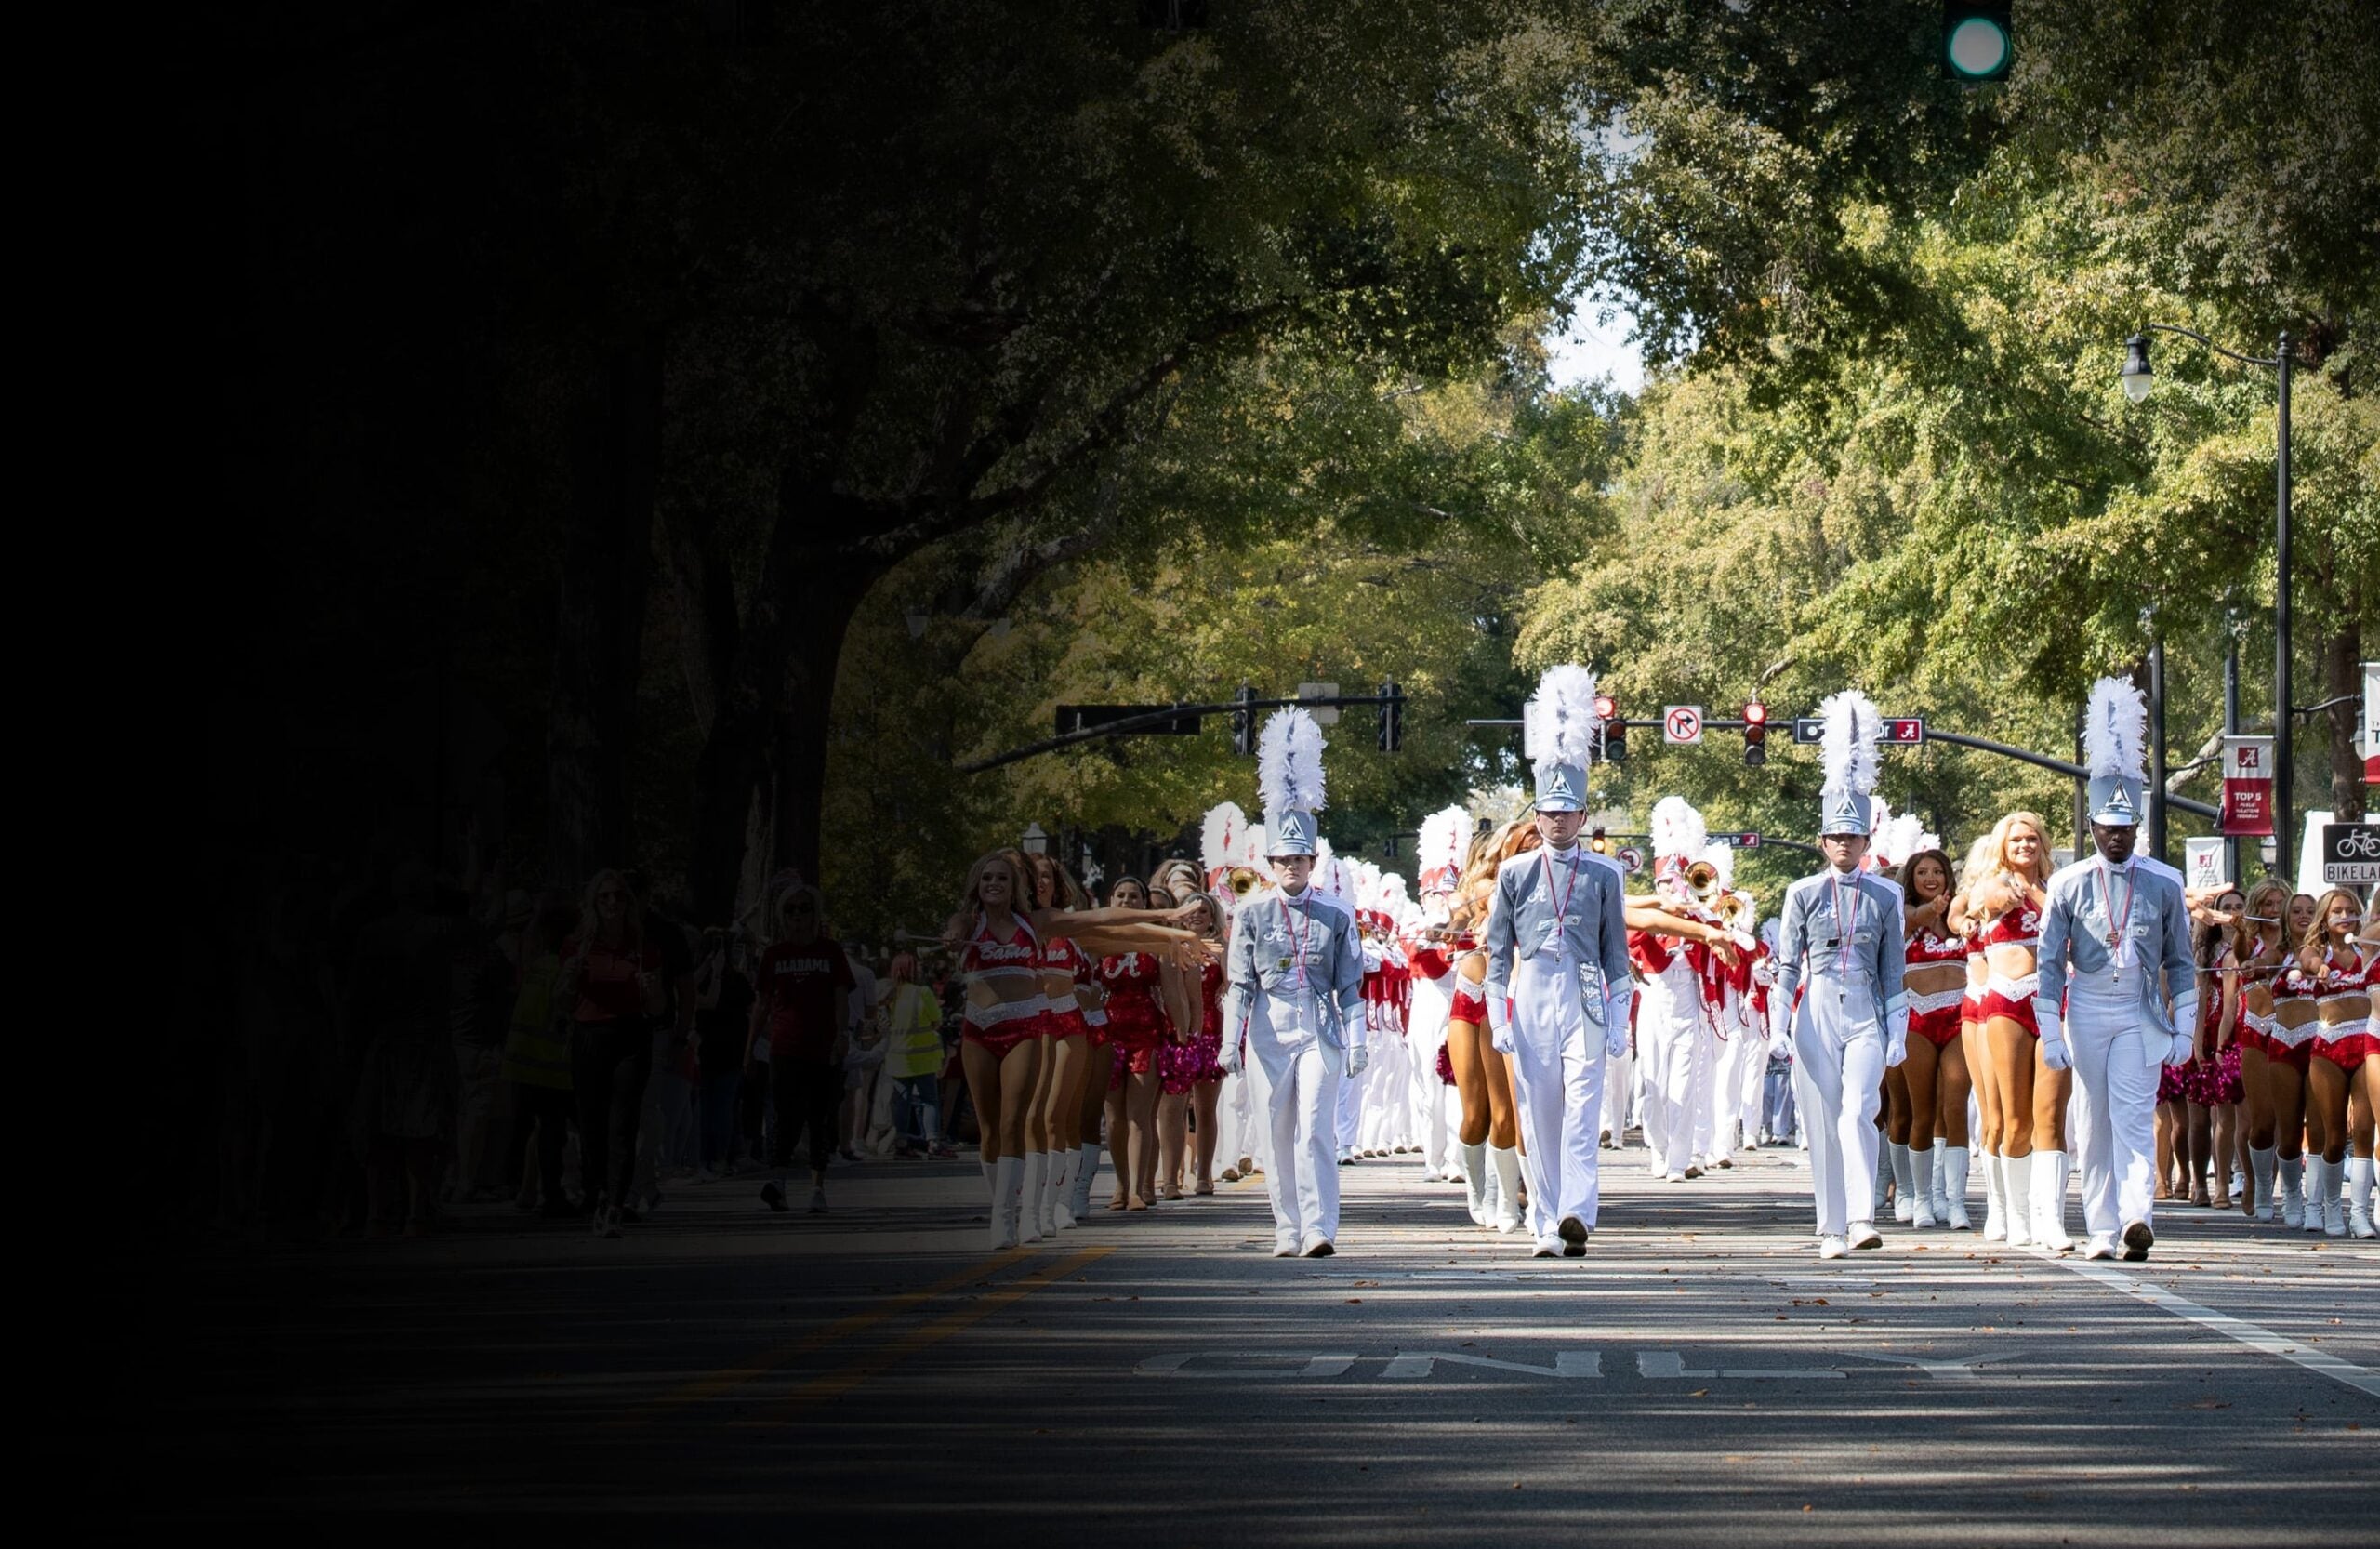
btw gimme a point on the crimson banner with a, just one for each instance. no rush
(2247, 785)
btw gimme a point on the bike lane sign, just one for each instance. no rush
(2350, 853)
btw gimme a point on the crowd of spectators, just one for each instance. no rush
(400, 1042)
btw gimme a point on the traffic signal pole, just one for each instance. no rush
(1390, 701)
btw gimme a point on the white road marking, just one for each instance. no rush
(1566, 1363)
(2223, 1323)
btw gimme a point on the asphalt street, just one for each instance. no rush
(1700, 1377)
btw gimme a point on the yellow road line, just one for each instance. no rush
(728, 1378)
(835, 1383)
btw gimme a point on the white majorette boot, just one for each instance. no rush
(2293, 1196)
(1062, 1190)
(2358, 1199)
(1921, 1187)
(1904, 1182)
(1507, 1163)
(1950, 1178)
(2017, 1186)
(2048, 1220)
(1086, 1173)
(2334, 1203)
(1995, 1183)
(2260, 1195)
(1008, 1198)
(1475, 1181)
(1037, 1174)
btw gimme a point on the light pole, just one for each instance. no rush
(2136, 382)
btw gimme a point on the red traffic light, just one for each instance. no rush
(1755, 714)
(1605, 706)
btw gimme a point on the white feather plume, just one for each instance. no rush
(1559, 723)
(1679, 830)
(1288, 763)
(1220, 836)
(1849, 741)
(1899, 839)
(1444, 835)
(1393, 901)
(2115, 731)
(1723, 861)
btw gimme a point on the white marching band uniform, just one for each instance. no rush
(1233, 849)
(1336, 1002)
(1839, 961)
(2115, 950)
(1292, 1017)
(1675, 1044)
(1558, 985)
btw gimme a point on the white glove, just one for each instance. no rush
(1230, 1060)
(1896, 1050)
(2185, 1048)
(1615, 1024)
(1359, 1059)
(1499, 1030)
(2054, 1052)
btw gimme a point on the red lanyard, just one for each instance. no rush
(2118, 929)
(1298, 936)
(1562, 910)
(1842, 925)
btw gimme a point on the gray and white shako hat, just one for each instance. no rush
(1559, 729)
(2115, 751)
(1288, 777)
(1851, 726)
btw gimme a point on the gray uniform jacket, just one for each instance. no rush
(2074, 941)
(1521, 923)
(1269, 935)
(1810, 940)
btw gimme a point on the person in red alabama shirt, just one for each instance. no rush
(803, 997)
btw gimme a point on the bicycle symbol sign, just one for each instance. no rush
(2350, 853)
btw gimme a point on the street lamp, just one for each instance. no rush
(2136, 382)
(1036, 841)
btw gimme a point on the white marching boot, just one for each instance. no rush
(2358, 1199)
(1950, 1178)
(2334, 1203)
(1475, 1180)
(2261, 1165)
(2017, 1187)
(2292, 1195)
(2048, 1220)
(1904, 1182)
(1995, 1183)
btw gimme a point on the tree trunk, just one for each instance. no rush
(767, 741)
(599, 626)
(2342, 681)
(833, 594)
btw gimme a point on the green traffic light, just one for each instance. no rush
(1978, 49)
